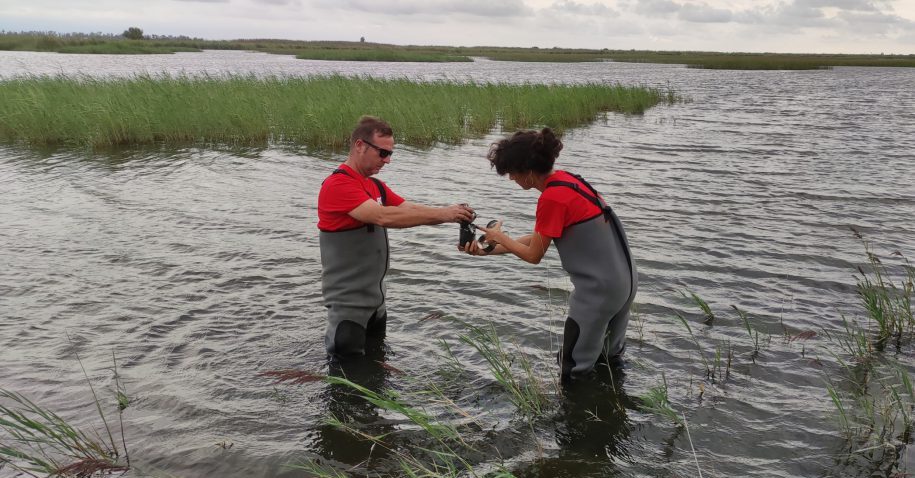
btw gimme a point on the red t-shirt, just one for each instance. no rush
(559, 207)
(341, 193)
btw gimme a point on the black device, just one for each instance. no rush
(468, 233)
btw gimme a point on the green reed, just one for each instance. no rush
(512, 369)
(703, 305)
(875, 396)
(888, 305)
(751, 331)
(35, 441)
(317, 112)
(708, 368)
(657, 401)
(443, 458)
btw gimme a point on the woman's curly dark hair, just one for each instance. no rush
(525, 151)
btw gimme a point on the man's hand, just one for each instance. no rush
(457, 213)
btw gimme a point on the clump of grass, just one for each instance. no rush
(318, 112)
(703, 305)
(512, 369)
(37, 441)
(390, 400)
(875, 399)
(888, 305)
(656, 401)
(445, 456)
(751, 331)
(708, 369)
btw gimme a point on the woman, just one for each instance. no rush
(591, 242)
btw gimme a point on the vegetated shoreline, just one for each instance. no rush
(317, 112)
(368, 51)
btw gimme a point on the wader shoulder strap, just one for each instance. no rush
(378, 183)
(384, 194)
(593, 199)
(597, 201)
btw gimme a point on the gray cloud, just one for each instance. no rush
(277, 2)
(704, 14)
(656, 8)
(483, 8)
(855, 5)
(875, 22)
(590, 9)
(202, 1)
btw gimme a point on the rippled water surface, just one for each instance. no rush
(200, 268)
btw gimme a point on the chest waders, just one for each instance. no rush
(595, 253)
(353, 265)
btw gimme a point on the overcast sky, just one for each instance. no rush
(801, 26)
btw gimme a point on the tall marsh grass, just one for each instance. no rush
(318, 112)
(874, 395)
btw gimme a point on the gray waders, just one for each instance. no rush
(354, 263)
(596, 255)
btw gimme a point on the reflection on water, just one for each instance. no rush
(200, 268)
(345, 404)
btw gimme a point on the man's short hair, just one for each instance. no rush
(368, 127)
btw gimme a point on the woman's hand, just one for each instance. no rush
(493, 235)
(473, 248)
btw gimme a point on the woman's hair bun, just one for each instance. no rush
(547, 144)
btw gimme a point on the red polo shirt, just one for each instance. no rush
(343, 192)
(560, 207)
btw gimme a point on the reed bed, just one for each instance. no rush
(316, 112)
(759, 61)
(369, 51)
(99, 44)
(379, 55)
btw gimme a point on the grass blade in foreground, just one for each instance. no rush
(34, 440)
(316, 111)
(512, 369)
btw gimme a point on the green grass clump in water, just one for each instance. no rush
(36, 440)
(875, 396)
(656, 401)
(316, 111)
(512, 369)
(445, 456)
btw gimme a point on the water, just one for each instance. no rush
(200, 268)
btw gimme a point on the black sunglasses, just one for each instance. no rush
(384, 153)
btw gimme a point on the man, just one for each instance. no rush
(354, 212)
